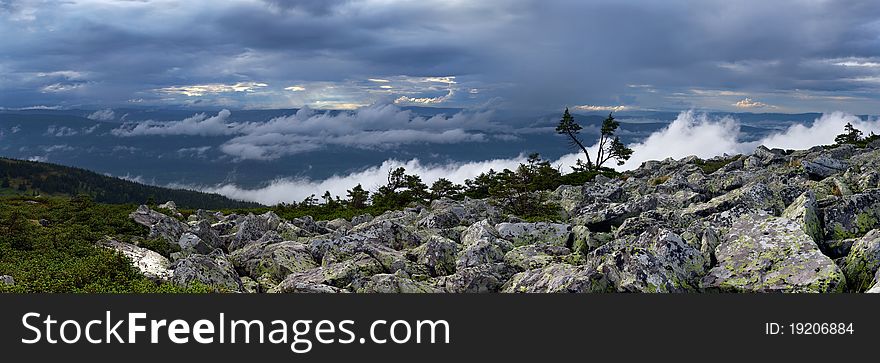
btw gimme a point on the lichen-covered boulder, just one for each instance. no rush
(603, 216)
(823, 167)
(191, 243)
(530, 257)
(559, 278)
(338, 275)
(853, 216)
(489, 277)
(482, 230)
(394, 233)
(762, 253)
(207, 234)
(274, 259)
(396, 283)
(483, 251)
(213, 270)
(521, 234)
(754, 197)
(658, 260)
(805, 211)
(160, 225)
(863, 261)
(339, 225)
(438, 255)
(250, 229)
(153, 265)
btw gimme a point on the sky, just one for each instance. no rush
(608, 55)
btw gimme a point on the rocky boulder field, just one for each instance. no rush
(773, 221)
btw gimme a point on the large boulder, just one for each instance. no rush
(438, 255)
(658, 260)
(338, 275)
(536, 256)
(489, 277)
(603, 216)
(483, 251)
(251, 228)
(153, 265)
(479, 231)
(853, 216)
(396, 283)
(160, 225)
(213, 270)
(277, 260)
(863, 261)
(823, 167)
(521, 234)
(558, 278)
(762, 253)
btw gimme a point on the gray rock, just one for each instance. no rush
(656, 261)
(558, 278)
(250, 228)
(521, 234)
(277, 260)
(339, 274)
(853, 216)
(863, 261)
(438, 255)
(483, 251)
(339, 225)
(771, 254)
(482, 230)
(484, 278)
(361, 219)
(823, 167)
(153, 265)
(213, 270)
(191, 243)
(537, 256)
(602, 216)
(7, 280)
(396, 283)
(160, 225)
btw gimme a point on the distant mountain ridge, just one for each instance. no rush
(30, 177)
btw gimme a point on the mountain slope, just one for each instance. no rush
(30, 177)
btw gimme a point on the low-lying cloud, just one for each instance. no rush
(689, 134)
(379, 126)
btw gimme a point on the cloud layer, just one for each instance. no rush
(690, 134)
(380, 126)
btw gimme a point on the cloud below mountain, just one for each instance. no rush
(689, 134)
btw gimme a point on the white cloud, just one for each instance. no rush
(61, 87)
(600, 108)
(199, 124)
(212, 88)
(60, 131)
(295, 88)
(425, 100)
(102, 115)
(287, 190)
(750, 103)
(380, 126)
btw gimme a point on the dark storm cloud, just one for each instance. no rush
(794, 55)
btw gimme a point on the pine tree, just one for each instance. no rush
(610, 146)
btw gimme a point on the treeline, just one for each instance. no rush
(516, 191)
(35, 178)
